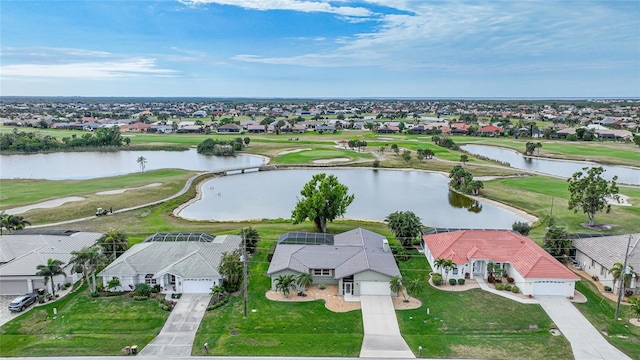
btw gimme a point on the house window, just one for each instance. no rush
(149, 279)
(593, 263)
(603, 271)
(321, 272)
(172, 279)
(455, 271)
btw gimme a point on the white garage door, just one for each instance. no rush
(548, 288)
(197, 286)
(375, 288)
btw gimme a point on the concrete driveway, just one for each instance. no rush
(382, 337)
(177, 334)
(586, 342)
(5, 314)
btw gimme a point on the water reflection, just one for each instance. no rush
(458, 200)
(273, 194)
(561, 168)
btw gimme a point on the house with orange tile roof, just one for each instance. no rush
(534, 270)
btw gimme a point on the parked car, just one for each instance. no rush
(21, 302)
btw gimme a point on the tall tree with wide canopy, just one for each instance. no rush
(589, 192)
(405, 225)
(87, 260)
(324, 199)
(49, 271)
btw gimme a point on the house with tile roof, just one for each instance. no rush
(597, 255)
(359, 262)
(23, 250)
(534, 270)
(179, 263)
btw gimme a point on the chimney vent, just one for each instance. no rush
(385, 245)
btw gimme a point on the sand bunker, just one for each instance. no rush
(623, 200)
(329, 161)
(43, 205)
(120, 191)
(285, 152)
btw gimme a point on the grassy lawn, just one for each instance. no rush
(476, 324)
(534, 194)
(84, 326)
(601, 312)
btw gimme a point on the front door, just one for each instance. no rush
(348, 288)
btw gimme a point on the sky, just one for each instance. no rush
(321, 48)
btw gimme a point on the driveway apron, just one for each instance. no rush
(177, 334)
(586, 342)
(382, 337)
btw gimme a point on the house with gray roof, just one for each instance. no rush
(359, 262)
(178, 262)
(597, 255)
(23, 250)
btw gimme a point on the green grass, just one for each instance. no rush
(475, 324)
(83, 326)
(309, 156)
(535, 194)
(600, 311)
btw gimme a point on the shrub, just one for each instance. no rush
(67, 284)
(142, 290)
(607, 288)
(521, 227)
(156, 288)
(461, 281)
(499, 286)
(400, 253)
(376, 164)
(140, 298)
(437, 279)
(507, 287)
(113, 293)
(452, 281)
(95, 294)
(491, 279)
(321, 286)
(628, 293)
(515, 289)
(498, 280)
(510, 280)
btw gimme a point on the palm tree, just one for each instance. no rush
(114, 243)
(285, 283)
(49, 271)
(217, 292)
(304, 280)
(448, 266)
(395, 285)
(618, 272)
(440, 263)
(635, 306)
(142, 161)
(4, 224)
(414, 286)
(17, 222)
(87, 260)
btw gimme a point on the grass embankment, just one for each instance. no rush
(535, 195)
(17, 193)
(83, 326)
(605, 152)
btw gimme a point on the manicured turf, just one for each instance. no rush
(83, 326)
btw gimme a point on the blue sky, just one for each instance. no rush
(320, 48)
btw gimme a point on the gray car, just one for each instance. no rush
(21, 302)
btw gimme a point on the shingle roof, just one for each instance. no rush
(352, 252)
(22, 252)
(606, 250)
(182, 258)
(529, 259)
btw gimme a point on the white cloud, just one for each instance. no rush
(323, 6)
(87, 70)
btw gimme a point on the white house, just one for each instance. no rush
(534, 270)
(178, 263)
(23, 250)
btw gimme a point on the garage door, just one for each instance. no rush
(197, 286)
(13, 287)
(548, 288)
(375, 288)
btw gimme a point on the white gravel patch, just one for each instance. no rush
(120, 191)
(329, 161)
(285, 152)
(44, 205)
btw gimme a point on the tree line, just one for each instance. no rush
(31, 142)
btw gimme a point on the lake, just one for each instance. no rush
(274, 194)
(90, 165)
(561, 168)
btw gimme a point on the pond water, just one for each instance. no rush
(378, 193)
(561, 168)
(90, 165)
